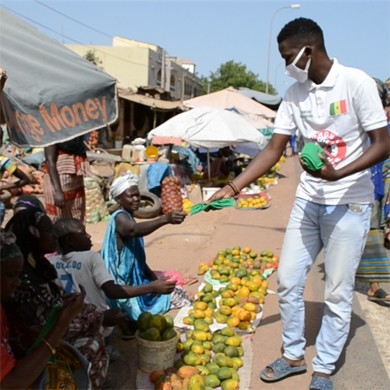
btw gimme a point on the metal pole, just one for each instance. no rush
(292, 6)
(208, 165)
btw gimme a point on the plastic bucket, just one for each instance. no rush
(127, 152)
(151, 152)
(155, 355)
(138, 153)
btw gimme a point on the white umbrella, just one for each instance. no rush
(207, 127)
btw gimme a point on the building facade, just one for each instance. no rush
(151, 84)
(138, 64)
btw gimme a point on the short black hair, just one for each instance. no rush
(302, 31)
(66, 225)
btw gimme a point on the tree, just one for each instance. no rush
(93, 58)
(233, 74)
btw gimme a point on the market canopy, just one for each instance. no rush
(208, 127)
(231, 98)
(257, 121)
(271, 101)
(51, 94)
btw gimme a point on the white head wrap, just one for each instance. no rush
(122, 183)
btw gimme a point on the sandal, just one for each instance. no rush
(380, 295)
(320, 383)
(281, 369)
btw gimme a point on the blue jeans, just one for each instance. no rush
(341, 231)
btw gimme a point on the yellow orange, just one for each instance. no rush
(187, 321)
(232, 286)
(200, 305)
(235, 280)
(244, 325)
(227, 294)
(252, 285)
(199, 314)
(233, 321)
(243, 291)
(257, 279)
(244, 315)
(262, 291)
(247, 250)
(249, 307)
(226, 310)
(236, 310)
(197, 348)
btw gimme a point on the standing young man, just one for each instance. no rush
(338, 109)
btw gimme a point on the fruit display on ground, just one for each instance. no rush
(207, 360)
(234, 291)
(156, 327)
(253, 201)
(243, 263)
(271, 177)
(210, 351)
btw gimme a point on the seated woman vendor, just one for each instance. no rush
(124, 253)
(21, 373)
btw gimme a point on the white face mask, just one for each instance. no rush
(298, 74)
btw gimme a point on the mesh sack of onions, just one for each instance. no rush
(171, 198)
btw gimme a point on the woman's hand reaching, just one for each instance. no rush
(162, 286)
(176, 217)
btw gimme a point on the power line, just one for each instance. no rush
(73, 19)
(76, 21)
(71, 39)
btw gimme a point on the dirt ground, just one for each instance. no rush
(183, 247)
(365, 364)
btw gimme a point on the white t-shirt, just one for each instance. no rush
(336, 114)
(86, 268)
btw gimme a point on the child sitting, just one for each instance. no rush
(77, 264)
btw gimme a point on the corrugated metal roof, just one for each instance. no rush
(159, 104)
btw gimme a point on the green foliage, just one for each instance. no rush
(93, 58)
(233, 74)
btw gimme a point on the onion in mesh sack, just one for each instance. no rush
(171, 198)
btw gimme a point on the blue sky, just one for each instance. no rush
(210, 33)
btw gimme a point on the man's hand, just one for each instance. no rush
(59, 199)
(327, 172)
(223, 193)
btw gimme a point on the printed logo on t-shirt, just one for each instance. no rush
(338, 108)
(334, 146)
(306, 114)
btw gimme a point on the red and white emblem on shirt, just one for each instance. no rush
(334, 146)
